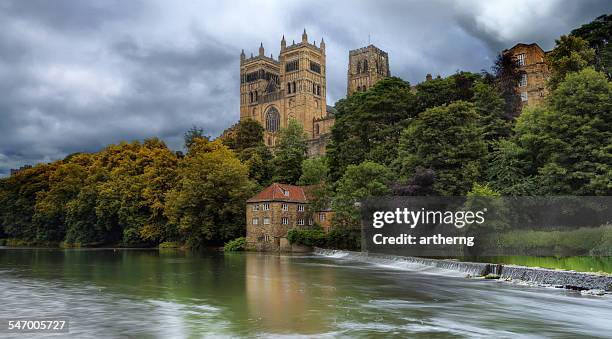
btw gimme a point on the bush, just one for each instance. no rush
(307, 237)
(169, 244)
(238, 244)
(346, 239)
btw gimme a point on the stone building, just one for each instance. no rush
(531, 60)
(272, 91)
(366, 66)
(278, 208)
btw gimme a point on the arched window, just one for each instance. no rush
(314, 88)
(365, 66)
(272, 120)
(317, 129)
(250, 96)
(288, 88)
(293, 91)
(358, 67)
(318, 90)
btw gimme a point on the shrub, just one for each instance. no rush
(238, 244)
(169, 244)
(307, 237)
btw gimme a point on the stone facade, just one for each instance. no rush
(531, 60)
(272, 91)
(366, 66)
(271, 213)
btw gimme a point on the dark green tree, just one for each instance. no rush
(368, 125)
(571, 54)
(367, 179)
(489, 106)
(289, 153)
(569, 143)
(598, 34)
(447, 140)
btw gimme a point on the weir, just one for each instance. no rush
(566, 279)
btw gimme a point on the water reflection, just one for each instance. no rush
(147, 293)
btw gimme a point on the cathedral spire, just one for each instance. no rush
(242, 56)
(304, 36)
(283, 43)
(261, 49)
(322, 45)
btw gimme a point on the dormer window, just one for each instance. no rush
(285, 192)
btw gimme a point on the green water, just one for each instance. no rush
(173, 294)
(580, 264)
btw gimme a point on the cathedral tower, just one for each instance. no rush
(366, 66)
(294, 86)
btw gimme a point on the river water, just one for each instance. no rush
(173, 294)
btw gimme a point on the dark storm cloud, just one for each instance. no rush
(72, 15)
(78, 75)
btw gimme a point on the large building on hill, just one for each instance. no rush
(272, 91)
(531, 61)
(278, 208)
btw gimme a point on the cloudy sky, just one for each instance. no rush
(78, 75)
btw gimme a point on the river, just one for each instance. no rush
(169, 294)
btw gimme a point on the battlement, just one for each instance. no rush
(367, 49)
(256, 58)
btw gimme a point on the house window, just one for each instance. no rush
(310, 222)
(520, 59)
(266, 221)
(322, 216)
(266, 206)
(524, 96)
(285, 192)
(266, 238)
(523, 81)
(300, 208)
(255, 207)
(301, 222)
(255, 221)
(285, 221)
(318, 90)
(285, 207)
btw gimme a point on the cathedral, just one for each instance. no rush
(272, 91)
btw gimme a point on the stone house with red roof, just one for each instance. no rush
(278, 208)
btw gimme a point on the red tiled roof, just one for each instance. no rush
(276, 192)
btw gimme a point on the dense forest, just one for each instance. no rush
(459, 135)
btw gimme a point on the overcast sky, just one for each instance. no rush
(78, 75)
